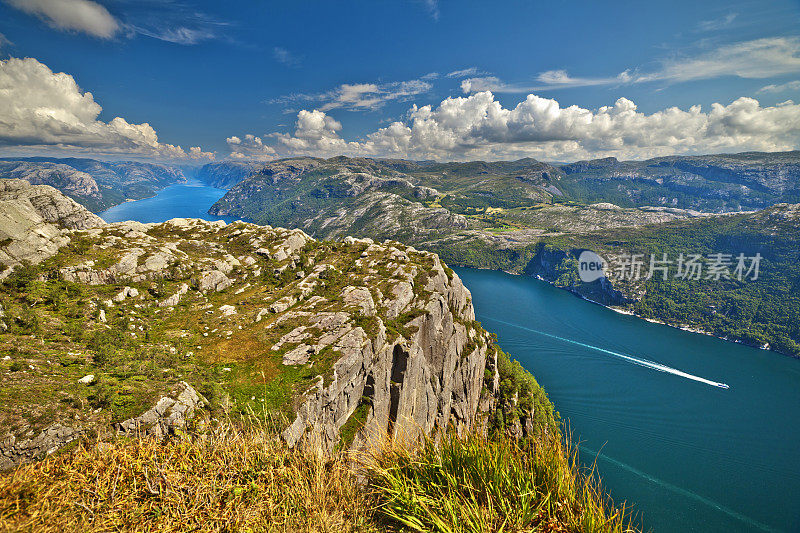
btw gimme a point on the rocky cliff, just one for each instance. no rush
(352, 340)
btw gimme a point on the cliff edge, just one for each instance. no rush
(351, 340)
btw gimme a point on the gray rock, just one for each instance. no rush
(413, 386)
(14, 452)
(214, 280)
(359, 297)
(169, 414)
(298, 356)
(283, 304)
(34, 220)
(227, 310)
(173, 300)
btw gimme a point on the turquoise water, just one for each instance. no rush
(691, 455)
(189, 200)
(644, 399)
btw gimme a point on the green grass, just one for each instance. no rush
(477, 485)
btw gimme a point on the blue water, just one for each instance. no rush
(189, 200)
(691, 455)
(644, 399)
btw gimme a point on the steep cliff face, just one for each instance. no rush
(353, 340)
(426, 377)
(226, 174)
(558, 266)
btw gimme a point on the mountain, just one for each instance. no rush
(225, 174)
(762, 312)
(439, 206)
(714, 183)
(530, 217)
(96, 184)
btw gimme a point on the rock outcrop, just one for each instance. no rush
(172, 412)
(428, 378)
(34, 220)
(15, 452)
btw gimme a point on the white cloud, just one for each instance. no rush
(433, 8)
(758, 59)
(718, 23)
(72, 15)
(486, 83)
(465, 73)
(555, 78)
(167, 21)
(315, 133)
(781, 88)
(361, 96)
(251, 147)
(551, 79)
(761, 58)
(43, 109)
(479, 127)
(195, 152)
(179, 35)
(354, 96)
(282, 55)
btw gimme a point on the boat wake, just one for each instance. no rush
(635, 360)
(679, 490)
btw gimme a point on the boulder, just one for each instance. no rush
(170, 413)
(214, 280)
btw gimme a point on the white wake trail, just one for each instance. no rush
(635, 360)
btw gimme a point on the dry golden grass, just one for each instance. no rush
(225, 482)
(248, 480)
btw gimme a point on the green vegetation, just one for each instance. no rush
(475, 484)
(520, 396)
(758, 312)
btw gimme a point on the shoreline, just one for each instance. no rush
(128, 200)
(684, 327)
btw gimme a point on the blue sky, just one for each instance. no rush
(324, 78)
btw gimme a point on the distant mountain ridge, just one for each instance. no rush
(97, 185)
(713, 183)
(709, 183)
